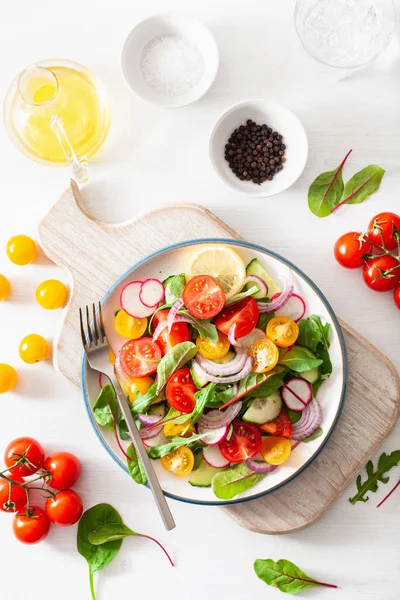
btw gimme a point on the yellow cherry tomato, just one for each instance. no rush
(129, 327)
(282, 331)
(111, 357)
(138, 384)
(176, 429)
(5, 287)
(21, 250)
(213, 350)
(179, 462)
(8, 378)
(33, 348)
(52, 294)
(265, 355)
(275, 450)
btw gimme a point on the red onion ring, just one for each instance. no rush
(164, 324)
(311, 419)
(230, 368)
(150, 420)
(149, 432)
(260, 282)
(259, 466)
(267, 307)
(215, 419)
(231, 337)
(172, 313)
(231, 379)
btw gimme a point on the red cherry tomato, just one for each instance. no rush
(396, 296)
(34, 456)
(31, 530)
(243, 314)
(245, 442)
(376, 276)
(181, 391)
(384, 226)
(64, 469)
(65, 508)
(349, 251)
(203, 297)
(281, 426)
(179, 332)
(18, 495)
(140, 357)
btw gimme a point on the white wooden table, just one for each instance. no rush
(154, 156)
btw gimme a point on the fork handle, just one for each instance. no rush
(141, 450)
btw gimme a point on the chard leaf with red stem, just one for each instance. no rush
(361, 185)
(285, 575)
(326, 191)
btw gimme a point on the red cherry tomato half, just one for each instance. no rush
(18, 495)
(203, 297)
(31, 530)
(243, 314)
(179, 332)
(140, 357)
(281, 426)
(349, 251)
(65, 508)
(377, 276)
(396, 296)
(34, 456)
(181, 391)
(245, 442)
(64, 469)
(383, 226)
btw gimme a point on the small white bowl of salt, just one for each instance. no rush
(170, 60)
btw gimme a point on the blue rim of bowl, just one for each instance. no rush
(280, 258)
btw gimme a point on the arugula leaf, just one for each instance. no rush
(385, 463)
(285, 576)
(264, 319)
(254, 289)
(135, 466)
(204, 327)
(233, 481)
(298, 360)
(202, 397)
(105, 408)
(176, 442)
(174, 287)
(174, 360)
(142, 402)
(317, 433)
(326, 191)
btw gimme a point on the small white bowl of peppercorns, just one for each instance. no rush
(258, 148)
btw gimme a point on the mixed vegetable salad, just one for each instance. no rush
(222, 369)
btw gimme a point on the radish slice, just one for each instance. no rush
(296, 394)
(263, 287)
(295, 308)
(151, 293)
(157, 440)
(311, 419)
(173, 312)
(259, 466)
(131, 303)
(212, 436)
(213, 457)
(268, 307)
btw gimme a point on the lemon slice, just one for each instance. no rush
(222, 263)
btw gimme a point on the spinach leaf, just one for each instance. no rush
(293, 415)
(204, 327)
(317, 433)
(135, 466)
(142, 402)
(174, 360)
(326, 191)
(326, 365)
(254, 289)
(385, 463)
(269, 387)
(285, 576)
(176, 442)
(108, 533)
(315, 336)
(361, 185)
(309, 334)
(264, 319)
(297, 359)
(198, 459)
(233, 481)
(324, 330)
(105, 408)
(174, 287)
(97, 557)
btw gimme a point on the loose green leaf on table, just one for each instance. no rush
(285, 576)
(174, 360)
(105, 408)
(326, 191)
(233, 481)
(135, 466)
(204, 327)
(297, 359)
(385, 463)
(361, 185)
(174, 287)
(176, 442)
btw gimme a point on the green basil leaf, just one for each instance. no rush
(174, 287)
(385, 463)
(109, 533)
(105, 408)
(135, 466)
(298, 360)
(174, 360)
(233, 481)
(363, 184)
(317, 433)
(176, 442)
(285, 576)
(253, 290)
(204, 327)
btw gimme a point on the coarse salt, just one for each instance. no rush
(172, 65)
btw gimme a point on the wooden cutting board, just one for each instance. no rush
(97, 254)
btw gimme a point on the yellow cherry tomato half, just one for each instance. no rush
(21, 250)
(282, 331)
(129, 327)
(138, 384)
(52, 294)
(176, 429)
(111, 357)
(275, 450)
(179, 462)
(8, 378)
(5, 287)
(265, 355)
(33, 348)
(213, 350)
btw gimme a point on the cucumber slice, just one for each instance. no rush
(202, 477)
(198, 381)
(255, 268)
(264, 410)
(312, 375)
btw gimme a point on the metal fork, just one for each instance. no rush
(97, 353)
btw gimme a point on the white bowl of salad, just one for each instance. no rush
(234, 366)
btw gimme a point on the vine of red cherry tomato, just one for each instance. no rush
(27, 469)
(377, 251)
